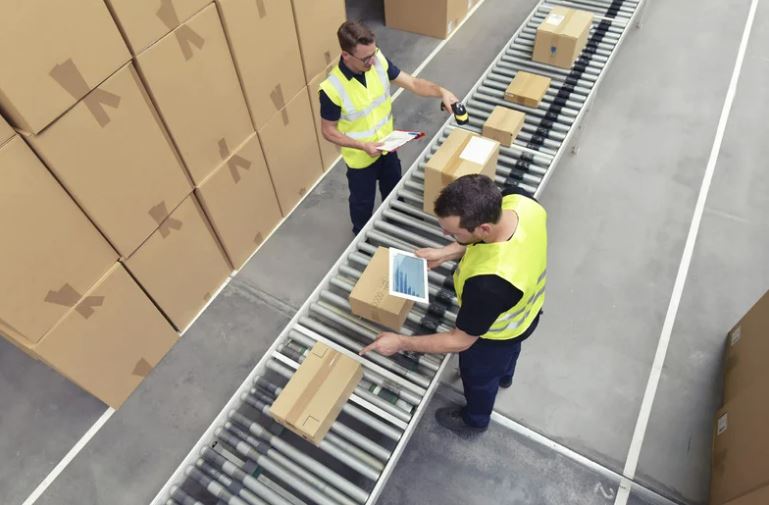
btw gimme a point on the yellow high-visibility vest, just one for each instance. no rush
(522, 261)
(366, 110)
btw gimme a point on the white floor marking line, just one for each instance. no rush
(642, 423)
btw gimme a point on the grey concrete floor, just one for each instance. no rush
(619, 214)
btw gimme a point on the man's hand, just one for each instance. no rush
(386, 344)
(372, 148)
(433, 256)
(448, 99)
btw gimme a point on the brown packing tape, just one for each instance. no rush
(86, 307)
(142, 368)
(68, 296)
(185, 36)
(165, 222)
(234, 161)
(327, 56)
(260, 7)
(301, 402)
(279, 102)
(69, 77)
(259, 238)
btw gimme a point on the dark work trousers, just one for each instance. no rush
(362, 181)
(482, 366)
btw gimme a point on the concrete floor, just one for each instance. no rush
(619, 215)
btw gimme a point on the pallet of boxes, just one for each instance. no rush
(740, 456)
(143, 157)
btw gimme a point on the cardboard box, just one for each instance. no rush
(51, 253)
(562, 36)
(196, 90)
(291, 150)
(313, 398)
(462, 153)
(181, 265)
(240, 202)
(329, 152)
(270, 77)
(436, 18)
(503, 125)
(527, 89)
(116, 161)
(371, 298)
(110, 341)
(144, 22)
(317, 22)
(757, 497)
(53, 54)
(6, 132)
(747, 348)
(740, 446)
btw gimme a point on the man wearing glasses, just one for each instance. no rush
(356, 113)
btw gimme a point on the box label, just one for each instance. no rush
(478, 150)
(723, 424)
(735, 335)
(554, 19)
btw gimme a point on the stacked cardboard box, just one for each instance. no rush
(329, 152)
(317, 22)
(740, 465)
(436, 18)
(6, 132)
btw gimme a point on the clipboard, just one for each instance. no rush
(397, 139)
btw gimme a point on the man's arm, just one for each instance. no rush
(423, 87)
(389, 343)
(435, 257)
(333, 135)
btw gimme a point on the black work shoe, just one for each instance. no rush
(451, 419)
(505, 382)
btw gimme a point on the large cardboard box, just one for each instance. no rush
(116, 161)
(110, 341)
(265, 48)
(240, 201)
(562, 36)
(317, 22)
(462, 153)
(197, 91)
(740, 446)
(527, 89)
(6, 132)
(51, 254)
(144, 22)
(757, 497)
(747, 350)
(329, 152)
(371, 298)
(181, 265)
(53, 54)
(291, 150)
(316, 393)
(503, 125)
(436, 18)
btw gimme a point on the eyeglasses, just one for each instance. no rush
(366, 60)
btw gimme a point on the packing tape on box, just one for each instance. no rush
(279, 101)
(69, 77)
(165, 222)
(301, 402)
(69, 297)
(260, 7)
(259, 238)
(327, 56)
(185, 36)
(234, 161)
(142, 368)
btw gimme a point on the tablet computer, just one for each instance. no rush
(408, 276)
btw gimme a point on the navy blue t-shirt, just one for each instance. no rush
(332, 112)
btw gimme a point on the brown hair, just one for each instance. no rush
(352, 33)
(474, 198)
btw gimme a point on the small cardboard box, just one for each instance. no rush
(503, 125)
(462, 153)
(313, 398)
(6, 132)
(317, 22)
(144, 22)
(51, 253)
(181, 265)
(116, 160)
(527, 89)
(192, 80)
(747, 349)
(291, 149)
(740, 446)
(562, 36)
(240, 202)
(757, 497)
(436, 18)
(329, 152)
(53, 54)
(371, 298)
(110, 341)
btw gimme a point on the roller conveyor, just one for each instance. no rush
(245, 458)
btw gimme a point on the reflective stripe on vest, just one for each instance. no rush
(366, 110)
(522, 261)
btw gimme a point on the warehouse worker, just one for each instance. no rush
(501, 239)
(356, 113)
